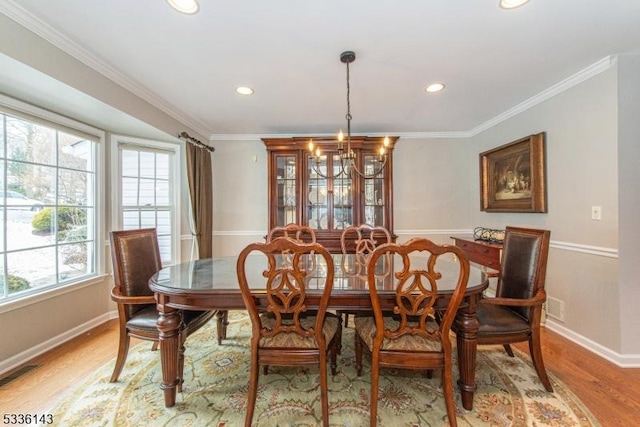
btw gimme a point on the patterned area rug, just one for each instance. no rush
(215, 391)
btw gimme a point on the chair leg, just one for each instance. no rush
(154, 346)
(253, 389)
(182, 340)
(123, 349)
(358, 349)
(324, 398)
(222, 323)
(375, 376)
(508, 349)
(447, 386)
(535, 350)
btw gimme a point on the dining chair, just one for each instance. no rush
(135, 256)
(302, 233)
(284, 332)
(410, 337)
(514, 314)
(360, 240)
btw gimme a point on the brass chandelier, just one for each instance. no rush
(348, 163)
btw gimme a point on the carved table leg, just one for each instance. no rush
(466, 338)
(169, 322)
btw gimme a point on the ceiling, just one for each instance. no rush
(491, 60)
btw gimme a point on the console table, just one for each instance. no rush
(481, 252)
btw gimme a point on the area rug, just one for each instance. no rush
(216, 379)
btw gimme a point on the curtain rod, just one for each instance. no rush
(197, 142)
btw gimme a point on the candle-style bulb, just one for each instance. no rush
(311, 145)
(381, 151)
(340, 136)
(386, 141)
(318, 152)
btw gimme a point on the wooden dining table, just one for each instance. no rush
(211, 284)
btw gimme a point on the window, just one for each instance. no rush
(47, 202)
(148, 196)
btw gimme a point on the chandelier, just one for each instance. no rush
(348, 164)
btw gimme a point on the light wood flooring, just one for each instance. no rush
(612, 394)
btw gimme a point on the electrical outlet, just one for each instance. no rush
(596, 213)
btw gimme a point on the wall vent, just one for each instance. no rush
(555, 308)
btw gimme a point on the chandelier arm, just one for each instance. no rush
(373, 174)
(315, 164)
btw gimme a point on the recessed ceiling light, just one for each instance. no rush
(244, 90)
(435, 87)
(185, 6)
(512, 4)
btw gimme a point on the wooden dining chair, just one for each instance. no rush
(301, 233)
(135, 256)
(284, 332)
(410, 337)
(360, 240)
(515, 313)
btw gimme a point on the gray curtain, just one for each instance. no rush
(200, 183)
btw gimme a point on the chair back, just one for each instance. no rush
(135, 256)
(298, 232)
(416, 288)
(366, 239)
(523, 265)
(282, 287)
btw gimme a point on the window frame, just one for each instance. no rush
(175, 177)
(25, 111)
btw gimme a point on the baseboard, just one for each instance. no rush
(43, 347)
(621, 360)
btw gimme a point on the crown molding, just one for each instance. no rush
(566, 84)
(11, 9)
(48, 33)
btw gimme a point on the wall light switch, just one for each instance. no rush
(596, 212)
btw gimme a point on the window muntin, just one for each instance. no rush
(148, 192)
(47, 206)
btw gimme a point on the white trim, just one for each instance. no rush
(175, 148)
(621, 360)
(456, 232)
(17, 13)
(240, 233)
(19, 359)
(566, 84)
(586, 249)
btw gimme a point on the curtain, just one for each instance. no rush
(200, 187)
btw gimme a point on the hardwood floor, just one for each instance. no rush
(612, 394)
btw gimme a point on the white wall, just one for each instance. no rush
(581, 126)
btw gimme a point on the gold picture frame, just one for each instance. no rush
(513, 178)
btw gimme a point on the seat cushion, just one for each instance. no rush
(366, 328)
(147, 318)
(294, 340)
(498, 320)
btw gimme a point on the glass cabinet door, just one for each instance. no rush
(316, 193)
(285, 190)
(374, 194)
(342, 198)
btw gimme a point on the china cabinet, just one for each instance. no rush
(304, 191)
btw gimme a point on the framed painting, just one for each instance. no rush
(512, 176)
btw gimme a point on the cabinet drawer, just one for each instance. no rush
(482, 253)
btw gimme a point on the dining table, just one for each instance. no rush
(211, 284)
